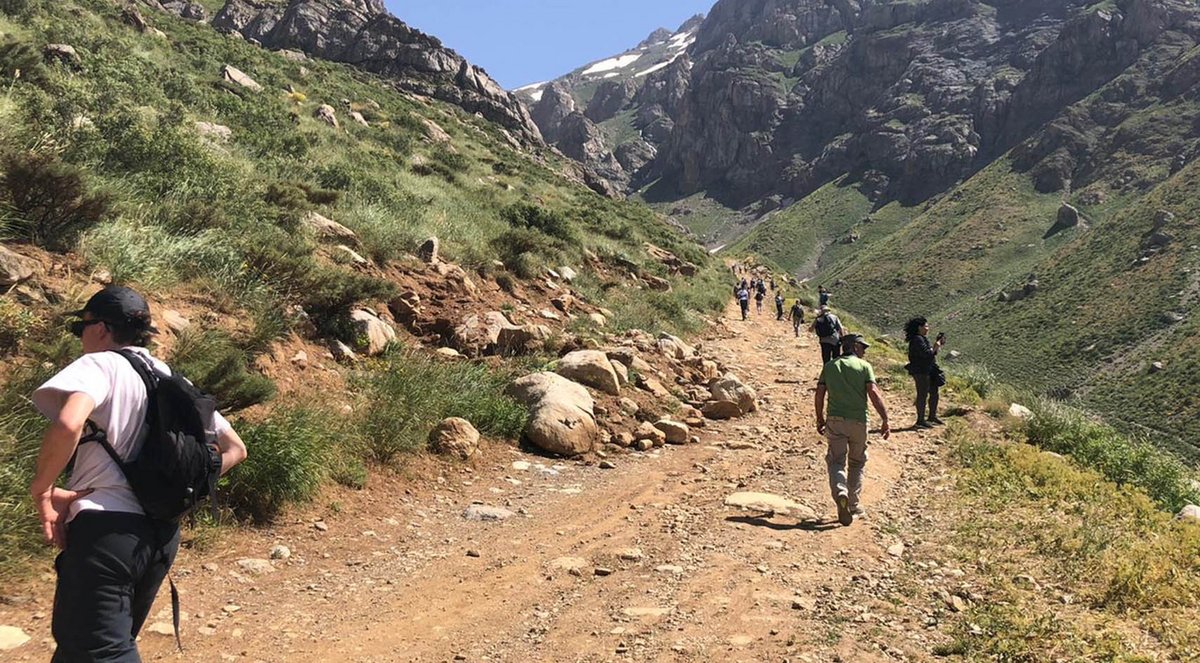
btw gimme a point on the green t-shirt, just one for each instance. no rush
(846, 379)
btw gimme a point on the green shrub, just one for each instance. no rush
(527, 251)
(288, 457)
(214, 363)
(1119, 457)
(51, 202)
(552, 223)
(330, 292)
(18, 56)
(411, 392)
(137, 252)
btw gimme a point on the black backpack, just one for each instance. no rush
(178, 462)
(825, 327)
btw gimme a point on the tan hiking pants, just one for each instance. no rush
(847, 439)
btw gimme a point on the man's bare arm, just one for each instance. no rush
(876, 396)
(58, 445)
(233, 450)
(819, 405)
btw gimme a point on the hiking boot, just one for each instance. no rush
(922, 425)
(845, 516)
(936, 422)
(857, 511)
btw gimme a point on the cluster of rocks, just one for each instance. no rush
(566, 420)
(1028, 290)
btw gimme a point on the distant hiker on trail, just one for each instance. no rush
(758, 298)
(823, 296)
(828, 328)
(772, 284)
(922, 366)
(779, 306)
(114, 556)
(796, 315)
(743, 297)
(848, 381)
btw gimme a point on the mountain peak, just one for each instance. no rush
(657, 37)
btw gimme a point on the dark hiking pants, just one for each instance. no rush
(830, 352)
(108, 577)
(927, 393)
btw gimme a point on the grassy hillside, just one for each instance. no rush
(107, 175)
(1096, 321)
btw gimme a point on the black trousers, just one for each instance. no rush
(108, 576)
(830, 352)
(927, 393)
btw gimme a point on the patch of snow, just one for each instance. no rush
(536, 95)
(651, 70)
(531, 86)
(612, 74)
(619, 62)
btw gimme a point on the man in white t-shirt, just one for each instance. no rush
(114, 557)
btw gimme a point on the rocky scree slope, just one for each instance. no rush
(362, 33)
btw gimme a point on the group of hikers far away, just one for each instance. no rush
(847, 383)
(142, 446)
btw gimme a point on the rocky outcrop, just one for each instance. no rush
(591, 368)
(779, 97)
(550, 111)
(363, 34)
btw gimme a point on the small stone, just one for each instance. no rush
(896, 550)
(483, 513)
(471, 552)
(602, 571)
(607, 465)
(630, 554)
(12, 637)
(281, 552)
(321, 526)
(255, 566)
(231, 608)
(160, 628)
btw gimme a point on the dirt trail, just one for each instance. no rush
(400, 575)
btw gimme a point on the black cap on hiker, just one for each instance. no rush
(850, 340)
(121, 307)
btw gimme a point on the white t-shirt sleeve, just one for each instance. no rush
(91, 374)
(220, 423)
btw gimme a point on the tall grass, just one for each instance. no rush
(410, 392)
(20, 439)
(288, 459)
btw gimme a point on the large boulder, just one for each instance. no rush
(730, 388)
(591, 368)
(479, 334)
(561, 416)
(521, 339)
(371, 335)
(721, 410)
(238, 77)
(454, 436)
(676, 432)
(14, 267)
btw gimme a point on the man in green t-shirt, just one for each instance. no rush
(848, 381)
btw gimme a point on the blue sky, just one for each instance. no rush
(526, 41)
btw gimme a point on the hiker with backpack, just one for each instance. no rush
(779, 306)
(922, 366)
(796, 315)
(143, 446)
(743, 297)
(823, 296)
(759, 295)
(848, 381)
(828, 329)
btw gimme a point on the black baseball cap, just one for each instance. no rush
(855, 339)
(119, 306)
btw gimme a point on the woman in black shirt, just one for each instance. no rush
(922, 366)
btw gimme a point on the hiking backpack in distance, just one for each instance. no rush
(177, 463)
(825, 327)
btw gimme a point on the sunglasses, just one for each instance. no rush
(78, 326)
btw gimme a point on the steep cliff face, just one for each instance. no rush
(363, 34)
(907, 97)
